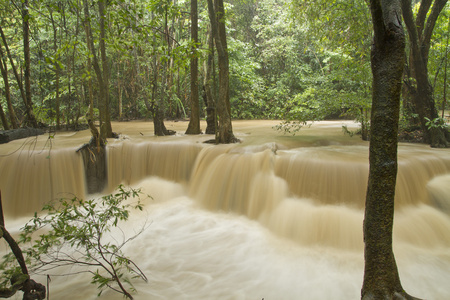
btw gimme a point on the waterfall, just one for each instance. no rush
(275, 217)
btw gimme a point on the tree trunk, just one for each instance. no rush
(57, 71)
(381, 278)
(4, 71)
(194, 121)
(102, 76)
(16, 74)
(105, 129)
(211, 120)
(89, 66)
(3, 117)
(31, 119)
(224, 134)
(420, 32)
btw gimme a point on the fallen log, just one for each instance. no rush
(7, 136)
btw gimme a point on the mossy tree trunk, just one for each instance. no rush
(381, 278)
(420, 30)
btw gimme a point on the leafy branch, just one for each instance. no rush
(77, 232)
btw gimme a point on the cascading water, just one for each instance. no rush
(275, 217)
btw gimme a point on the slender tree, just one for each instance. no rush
(27, 70)
(160, 70)
(56, 66)
(102, 75)
(381, 278)
(194, 122)
(4, 71)
(216, 12)
(208, 84)
(16, 74)
(3, 118)
(105, 129)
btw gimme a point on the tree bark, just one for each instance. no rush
(208, 84)
(105, 129)
(216, 11)
(381, 278)
(194, 121)
(420, 90)
(102, 76)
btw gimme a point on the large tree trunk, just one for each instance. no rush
(381, 278)
(420, 90)
(216, 13)
(194, 122)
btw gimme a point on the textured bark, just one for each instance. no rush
(105, 129)
(194, 121)
(381, 278)
(420, 90)
(208, 84)
(224, 133)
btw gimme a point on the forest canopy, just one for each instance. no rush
(294, 60)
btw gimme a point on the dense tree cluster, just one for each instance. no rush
(289, 60)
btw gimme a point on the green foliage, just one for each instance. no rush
(289, 60)
(84, 233)
(435, 123)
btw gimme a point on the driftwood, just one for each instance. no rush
(94, 159)
(19, 281)
(7, 136)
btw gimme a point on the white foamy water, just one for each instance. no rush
(273, 218)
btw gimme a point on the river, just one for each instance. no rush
(274, 217)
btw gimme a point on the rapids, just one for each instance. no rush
(275, 217)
